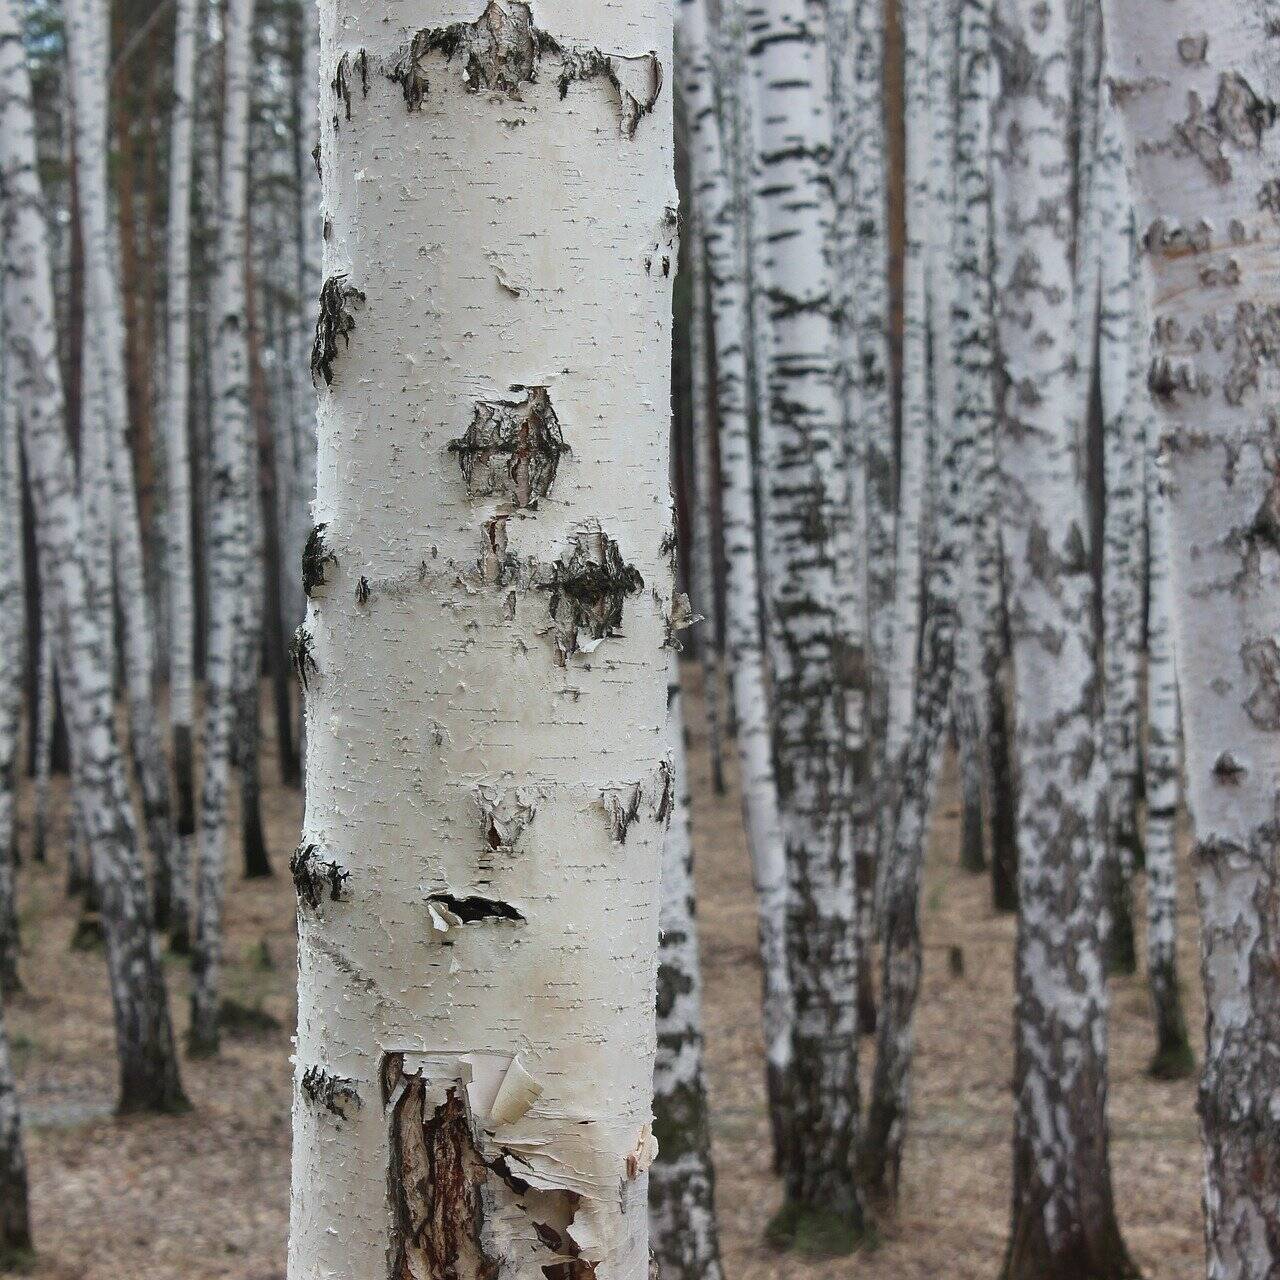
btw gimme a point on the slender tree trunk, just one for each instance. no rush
(1064, 1223)
(812, 669)
(1122, 386)
(706, 600)
(508, 576)
(88, 55)
(12, 620)
(1002, 775)
(180, 564)
(230, 596)
(1174, 1057)
(682, 1216)
(144, 1038)
(724, 245)
(1195, 85)
(46, 716)
(15, 1214)
(978, 634)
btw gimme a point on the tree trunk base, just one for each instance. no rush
(1031, 1257)
(816, 1232)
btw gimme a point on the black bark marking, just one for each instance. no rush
(1238, 117)
(1228, 770)
(1256, 334)
(312, 876)
(436, 1183)
(503, 49)
(315, 555)
(342, 78)
(334, 1093)
(1262, 663)
(512, 448)
(621, 810)
(497, 565)
(362, 592)
(335, 321)
(303, 658)
(473, 909)
(680, 617)
(1193, 49)
(589, 587)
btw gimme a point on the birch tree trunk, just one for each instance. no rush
(15, 1214)
(814, 673)
(180, 565)
(1121, 389)
(144, 1038)
(88, 55)
(46, 719)
(491, 587)
(722, 223)
(12, 620)
(228, 527)
(682, 1213)
(1196, 85)
(1064, 1222)
(1174, 1058)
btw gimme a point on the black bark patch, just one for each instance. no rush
(303, 658)
(637, 95)
(473, 909)
(335, 321)
(589, 587)
(621, 809)
(334, 1093)
(1193, 49)
(347, 66)
(312, 876)
(512, 448)
(1228, 770)
(1262, 663)
(435, 1183)
(362, 592)
(315, 556)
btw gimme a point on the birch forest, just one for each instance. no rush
(640, 639)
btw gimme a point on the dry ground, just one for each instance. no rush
(206, 1195)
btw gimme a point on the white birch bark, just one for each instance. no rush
(148, 1067)
(1121, 389)
(228, 527)
(814, 694)
(88, 55)
(1196, 84)
(682, 1215)
(487, 772)
(1063, 1213)
(180, 567)
(978, 639)
(724, 245)
(12, 623)
(1174, 1058)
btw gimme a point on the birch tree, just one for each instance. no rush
(144, 1039)
(88, 55)
(1196, 84)
(180, 565)
(229, 528)
(15, 1213)
(12, 618)
(1174, 1057)
(724, 244)
(813, 691)
(682, 1211)
(1064, 1221)
(490, 590)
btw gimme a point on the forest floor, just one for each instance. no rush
(206, 1195)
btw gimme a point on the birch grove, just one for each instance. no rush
(1192, 89)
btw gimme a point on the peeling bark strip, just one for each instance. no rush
(1200, 112)
(512, 448)
(337, 298)
(589, 587)
(502, 50)
(311, 876)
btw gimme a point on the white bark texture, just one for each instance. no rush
(817, 688)
(724, 247)
(148, 1067)
(88, 55)
(1063, 1215)
(682, 1213)
(1173, 1057)
(1123, 388)
(180, 565)
(12, 623)
(488, 778)
(1197, 85)
(229, 528)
